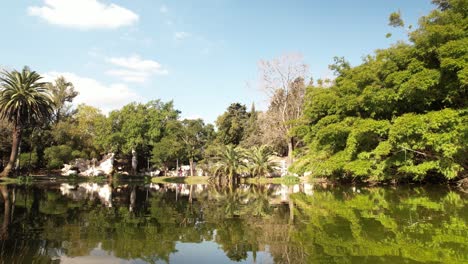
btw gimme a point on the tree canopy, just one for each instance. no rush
(402, 113)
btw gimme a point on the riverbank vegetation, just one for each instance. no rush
(399, 116)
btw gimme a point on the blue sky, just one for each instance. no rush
(202, 54)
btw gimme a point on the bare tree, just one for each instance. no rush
(282, 80)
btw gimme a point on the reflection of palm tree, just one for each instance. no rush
(6, 213)
(259, 204)
(238, 202)
(228, 201)
(230, 162)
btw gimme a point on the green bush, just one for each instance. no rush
(56, 156)
(24, 159)
(76, 154)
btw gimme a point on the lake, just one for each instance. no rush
(177, 223)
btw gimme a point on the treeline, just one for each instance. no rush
(144, 136)
(400, 115)
(42, 131)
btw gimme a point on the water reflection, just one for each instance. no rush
(177, 223)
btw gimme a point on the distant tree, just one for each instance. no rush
(252, 134)
(134, 129)
(24, 102)
(282, 79)
(232, 124)
(170, 148)
(166, 152)
(194, 135)
(63, 92)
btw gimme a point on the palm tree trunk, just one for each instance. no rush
(14, 151)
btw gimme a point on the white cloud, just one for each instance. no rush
(94, 93)
(84, 14)
(181, 35)
(135, 69)
(163, 9)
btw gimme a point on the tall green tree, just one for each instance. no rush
(232, 124)
(24, 102)
(170, 148)
(136, 128)
(252, 134)
(194, 135)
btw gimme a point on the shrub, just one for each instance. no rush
(56, 156)
(24, 159)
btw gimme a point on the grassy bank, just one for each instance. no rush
(186, 180)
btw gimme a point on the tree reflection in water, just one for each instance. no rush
(281, 224)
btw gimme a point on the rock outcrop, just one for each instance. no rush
(89, 169)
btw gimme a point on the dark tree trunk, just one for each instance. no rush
(14, 152)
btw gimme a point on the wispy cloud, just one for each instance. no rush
(135, 69)
(181, 35)
(163, 9)
(84, 14)
(92, 92)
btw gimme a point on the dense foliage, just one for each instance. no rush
(402, 113)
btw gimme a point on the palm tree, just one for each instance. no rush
(24, 101)
(260, 163)
(230, 162)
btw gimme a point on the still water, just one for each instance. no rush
(176, 223)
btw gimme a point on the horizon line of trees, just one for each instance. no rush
(150, 136)
(400, 115)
